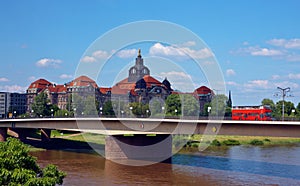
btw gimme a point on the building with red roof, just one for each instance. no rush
(140, 86)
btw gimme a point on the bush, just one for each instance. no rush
(231, 142)
(17, 167)
(215, 143)
(267, 140)
(256, 142)
(195, 145)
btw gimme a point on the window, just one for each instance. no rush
(133, 71)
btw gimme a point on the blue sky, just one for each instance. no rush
(257, 43)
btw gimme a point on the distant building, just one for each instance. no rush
(60, 94)
(204, 95)
(14, 103)
(140, 86)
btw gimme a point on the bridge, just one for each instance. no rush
(120, 146)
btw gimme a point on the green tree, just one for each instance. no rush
(269, 102)
(78, 104)
(288, 107)
(90, 106)
(298, 110)
(218, 105)
(108, 109)
(173, 105)
(140, 109)
(62, 113)
(157, 107)
(17, 167)
(190, 105)
(41, 105)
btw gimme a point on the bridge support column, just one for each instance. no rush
(3, 134)
(156, 148)
(45, 135)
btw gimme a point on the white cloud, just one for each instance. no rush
(13, 88)
(65, 76)
(47, 62)
(257, 84)
(179, 80)
(289, 44)
(230, 72)
(294, 76)
(176, 74)
(88, 59)
(256, 51)
(3, 79)
(127, 53)
(159, 49)
(101, 54)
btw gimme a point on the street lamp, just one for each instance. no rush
(208, 109)
(15, 112)
(51, 112)
(32, 111)
(130, 108)
(122, 113)
(284, 91)
(176, 112)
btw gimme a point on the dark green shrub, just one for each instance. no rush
(256, 142)
(195, 145)
(215, 143)
(231, 142)
(267, 140)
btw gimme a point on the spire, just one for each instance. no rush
(139, 54)
(229, 102)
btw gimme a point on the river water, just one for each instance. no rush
(238, 165)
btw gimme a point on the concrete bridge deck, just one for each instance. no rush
(119, 126)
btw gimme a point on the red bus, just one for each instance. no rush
(259, 113)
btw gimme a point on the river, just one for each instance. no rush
(238, 165)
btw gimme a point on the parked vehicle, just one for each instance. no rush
(259, 113)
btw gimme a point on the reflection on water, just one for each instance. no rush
(234, 166)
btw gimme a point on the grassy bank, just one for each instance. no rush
(225, 141)
(76, 140)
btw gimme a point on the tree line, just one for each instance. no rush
(174, 105)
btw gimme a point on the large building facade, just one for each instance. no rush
(12, 104)
(139, 87)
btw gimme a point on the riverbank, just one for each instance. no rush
(77, 141)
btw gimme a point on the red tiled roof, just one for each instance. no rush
(151, 81)
(104, 90)
(203, 90)
(39, 84)
(83, 81)
(123, 87)
(57, 88)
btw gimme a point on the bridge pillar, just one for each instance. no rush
(45, 135)
(3, 134)
(156, 148)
